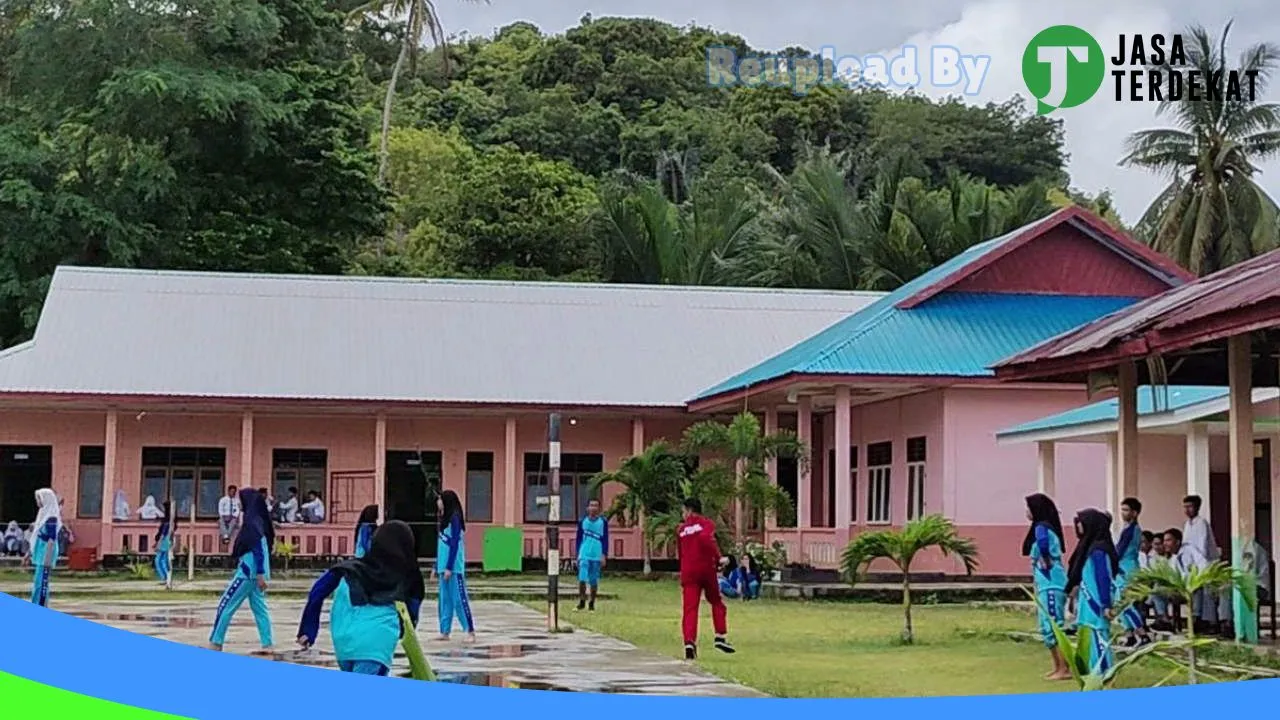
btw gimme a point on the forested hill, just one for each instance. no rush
(243, 135)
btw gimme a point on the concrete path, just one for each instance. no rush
(480, 587)
(513, 647)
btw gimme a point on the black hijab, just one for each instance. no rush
(452, 506)
(368, 516)
(170, 521)
(256, 526)
(389, 572)
(1042, 511)
(1094, 530)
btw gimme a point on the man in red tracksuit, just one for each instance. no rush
(700, 562)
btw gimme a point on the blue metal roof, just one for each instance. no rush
(1151, 401)
(954, 334)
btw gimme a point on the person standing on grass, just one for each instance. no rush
(366, 525)
(164, 543)
(700, 561)
(451, 568)
(44, 544)
(1129, 549)
(593, 543)
(228, 515)
(1043, 544)
(252, 551)
(364, 621)
(1093, 569)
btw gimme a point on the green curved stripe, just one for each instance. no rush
(22, 695)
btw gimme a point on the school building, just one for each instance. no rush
(176, 384)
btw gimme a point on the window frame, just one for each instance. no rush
(160, 460)
(479, 463)
(88, 455)
(298, 461)
(575, 471)
(917, 460)
(880, 483)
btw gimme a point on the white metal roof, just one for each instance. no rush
(134, 332)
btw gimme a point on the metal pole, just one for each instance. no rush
(553, 526)
(191, 545)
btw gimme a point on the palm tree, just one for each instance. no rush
(421, 22)
(1212, 214)
(649, 482)
(742, 452)
(1164, 580)
(901, 547)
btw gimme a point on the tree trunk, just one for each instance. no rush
(1191, 636)
(738, 515)
(908, 634)
(387, 102)
(645, 552)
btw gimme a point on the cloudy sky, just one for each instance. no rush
(999, 28)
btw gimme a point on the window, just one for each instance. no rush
(853, 485)
(879, 486)
(183, 475)
(479, 487)
(93, 459)
(305, 470)
(916, 451)
(576, 471)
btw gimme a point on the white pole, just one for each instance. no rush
(191, 546)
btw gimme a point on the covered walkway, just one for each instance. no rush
(1218, 330)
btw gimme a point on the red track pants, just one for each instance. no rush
(693, 591)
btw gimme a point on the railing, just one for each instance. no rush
(325, 539)
(808, 546)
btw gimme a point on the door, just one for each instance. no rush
(1220, 510)
(1262, 494)
(413, 480)
(23, 470)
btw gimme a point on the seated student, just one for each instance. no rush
(12, 543)
(1258, 562)
(1184, 558)
(287, 509)
(313, 509)
(743, 581)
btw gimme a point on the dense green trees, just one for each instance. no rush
(244, 135)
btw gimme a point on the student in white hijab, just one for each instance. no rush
(44, 544)
(11, 544)
(149, 509)
(121, 510)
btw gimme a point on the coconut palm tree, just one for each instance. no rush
(901, 547)
(649, 482)
(1166, 581)
(422, 22)
(740, 452)
(1212, 214)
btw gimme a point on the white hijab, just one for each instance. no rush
(49, 509)
(13, 530)
(121, 506)
(149, 509)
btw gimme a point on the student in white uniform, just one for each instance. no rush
(1196, 532)
(1184, 557)
(228, 515)
(313, 508)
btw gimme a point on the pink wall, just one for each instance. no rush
(66, 432)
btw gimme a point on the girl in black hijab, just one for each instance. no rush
(365, 526)
(1042, 510)
(364, 621)
(451, 567)
(1044, 545)
(1093, 569)
(164, 544)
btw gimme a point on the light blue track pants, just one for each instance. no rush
(363, 667)
(242, 587)
(40, 580)
(453, 603)
(162, 566)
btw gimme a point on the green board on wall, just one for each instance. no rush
(503, 549)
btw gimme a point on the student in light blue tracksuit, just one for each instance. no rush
(1043, 545)
(1129, 550)
(44, 544)
(451, 565)
(252, 551)
(592, 544)
(164, 543)
(366, 524)
(364, 621)
(1093, 569)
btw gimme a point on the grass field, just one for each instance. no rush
(819, 649)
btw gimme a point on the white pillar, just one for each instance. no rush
(1198, 466)
(246, 451)
(1045, 480)
(1112, 502)
(109, 460)
(510, 476)
(637, 436)
(380, 466)
(804, 484)
(842, 499)
(771, 465)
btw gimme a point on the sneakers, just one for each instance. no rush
(581, 605)
(590, 606)
(723, 645)
(690, 651)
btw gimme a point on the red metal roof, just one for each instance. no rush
(1238, 299)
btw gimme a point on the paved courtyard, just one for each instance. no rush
(513, 648)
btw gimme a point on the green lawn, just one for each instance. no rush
(790, 648)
